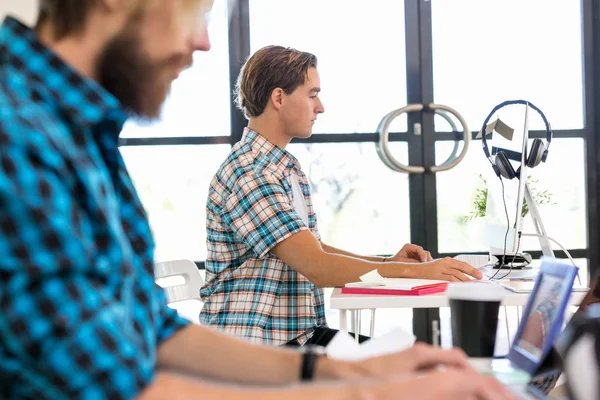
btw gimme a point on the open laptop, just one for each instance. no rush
(546, 376)
(539, 328)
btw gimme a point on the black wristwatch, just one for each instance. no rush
(310, 354)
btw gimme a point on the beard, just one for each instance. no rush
(140, 84)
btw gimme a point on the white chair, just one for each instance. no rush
(181, 281)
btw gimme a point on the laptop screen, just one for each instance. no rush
(544, 311)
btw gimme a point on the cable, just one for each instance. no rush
(507, 230)
(514, 257)
(561, 247)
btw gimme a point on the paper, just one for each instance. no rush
(504, 130)
(372, 277)
(344, 347)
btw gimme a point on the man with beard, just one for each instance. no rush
(81, 315)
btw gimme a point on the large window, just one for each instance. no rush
(475, 57)
(375, 57)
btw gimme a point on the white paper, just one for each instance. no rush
(344, 347)
(372, 277)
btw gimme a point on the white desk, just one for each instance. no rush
(346, 302)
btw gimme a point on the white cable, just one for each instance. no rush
(561, 247)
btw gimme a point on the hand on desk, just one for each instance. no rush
(442, 385)
(415, 374)
(447, 269)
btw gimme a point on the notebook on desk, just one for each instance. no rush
(397, 287)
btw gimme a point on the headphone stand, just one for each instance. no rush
(521, 261)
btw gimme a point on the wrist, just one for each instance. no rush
(398, 270)
(328, 369)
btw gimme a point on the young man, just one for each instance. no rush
(81, 315)
(266, 264)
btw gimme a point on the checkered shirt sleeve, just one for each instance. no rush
(259, 212)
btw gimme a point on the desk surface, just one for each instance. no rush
(367, 301)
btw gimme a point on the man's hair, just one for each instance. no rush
(66, 16)
(270, 68)
(70, 16)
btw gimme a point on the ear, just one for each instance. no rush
(277, 98)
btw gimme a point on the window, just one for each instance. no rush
(362, 206)
(487, 52)
(172, 182)
(361, 57)
(563, 176)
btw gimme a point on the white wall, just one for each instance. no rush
(24, 10)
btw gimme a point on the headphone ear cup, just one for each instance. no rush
(504, 166)
(536, 153)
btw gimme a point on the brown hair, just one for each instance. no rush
(67, 16)
(270, 68)
(70, 16)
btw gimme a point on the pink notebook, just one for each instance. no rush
(417, 290)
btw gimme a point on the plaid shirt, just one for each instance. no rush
(249, 292)
(81, 315)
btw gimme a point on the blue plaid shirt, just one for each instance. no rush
(81, 314)
(250, 292)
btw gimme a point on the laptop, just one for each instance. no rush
(546, 376)
(539, 328)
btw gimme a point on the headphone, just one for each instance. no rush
(537, 154)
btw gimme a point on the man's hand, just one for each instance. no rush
(447, 269)
(420, 357)
(448, 385)
(411, 253)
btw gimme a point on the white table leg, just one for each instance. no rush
(343, 320)
(372, 330)
(357, 328)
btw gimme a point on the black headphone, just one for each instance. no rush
(537, 154)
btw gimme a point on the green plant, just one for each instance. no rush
(480, 197)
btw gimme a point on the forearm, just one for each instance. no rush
(172, 386)
(335, 250)
(306, 255)
(335, 270)
(209, 354)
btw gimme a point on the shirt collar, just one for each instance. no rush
(278, 157)
(81, 99)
